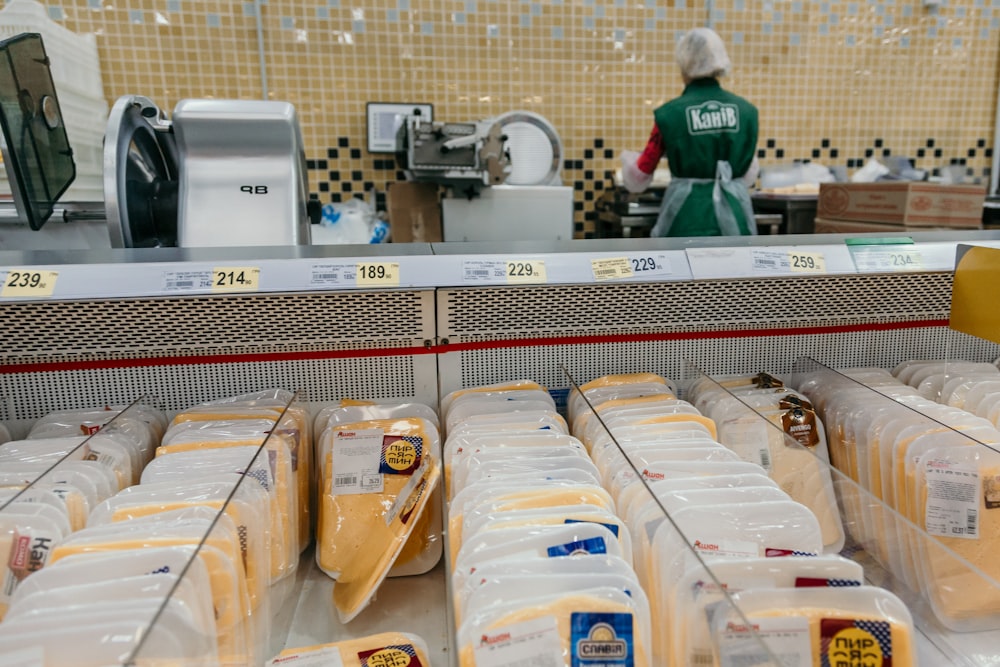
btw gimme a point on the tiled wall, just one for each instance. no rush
(835, 81)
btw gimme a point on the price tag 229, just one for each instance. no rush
(235, 279)
(378, 274)
(29, 282)
(525, 271)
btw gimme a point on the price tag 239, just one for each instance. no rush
(378, 274)
(28, 282)
(235, 279)
(525, 271)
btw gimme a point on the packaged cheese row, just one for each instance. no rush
(690, 504)
(377, 499)
(934, 465)
(540, 562)
(386, 649)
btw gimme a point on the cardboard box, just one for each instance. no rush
(909, 203)
(414, 212)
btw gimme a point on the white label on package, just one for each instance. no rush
(333, 275)
(324, 657)
(183, 281)
(722, 549)
(747, 437)
(484, 271)
(532, 643)
(787, 639)
(355, 460)
(953, 492)
(26, 657)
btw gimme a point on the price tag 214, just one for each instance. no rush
(806, 262)
(378, 274)
(525, 271)
(235, 279)
(29, 282)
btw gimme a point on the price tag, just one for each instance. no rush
(235, 279)
(183, 281)
(525, 271)
(29, 282)
(887, 259)
(611, 268)
(483, 271)
(806, 262)
(647, 266)
(378, 274)
(333, 275)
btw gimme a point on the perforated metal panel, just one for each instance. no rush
(469, 314)
(331, 345)
(739, 307)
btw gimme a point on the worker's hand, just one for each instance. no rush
(633, 178)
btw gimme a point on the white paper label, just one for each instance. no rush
(787, 639)
(324, 657)
(722, 548)
(895, 259)
(953, 492)
(533, 643)
(404, 495)
(355, 461)
(484, 271)
(769, 261)
(183, 281)
(703, 594)
(333, 275)
(747, 437)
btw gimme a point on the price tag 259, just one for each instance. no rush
(378, 274)
(235, 279)
(525, 271)
(806, 262)
(28, 282)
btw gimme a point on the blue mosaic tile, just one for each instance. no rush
(960, 12)
(986, 12)
(536, 9)
(525, 20)
(934, 10)
(777, 17)
(956, 43)
(767, 28)
(984, 34)
(322, 12)
(249, 9)
(458, 18)
(794, 39)
(588, 3)
(824, 29)
(599, 12)
(650, 4)
(739, 5)
(680, 4)
(932, 31)
(907, 11)
(824, 7)
(888, 20)
(995, 23)
(650, 25)
(880, 10)
(557, 32)
(849, 40)
(426, 28)
(852, 8)
(470, 7)
(618, 35)
(619, 3)
(878, 31)
(737, 38)
(56, 13)
(719, 14)
(980, 3)
(834, 19)
(94, 4)
(588, 23)
(358, 27)
(215, 21)
(392, 15)
(796, 7)
(661, 13)
(335, 4)
(493, 31)
(403, 5)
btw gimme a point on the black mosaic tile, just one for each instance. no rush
(869, 152)
(334, 175)
(988, 152)
(400, 175)
(770, 143)
(335, 197)
(567, 164)
(578, 227)
(935, 172)
(313, 196)
(332, 153)
(598, 143)
(588, 175)
(981, 143)
(938, 152)
(343, 142)
(609, 175)
(834, 153)
(346, 186)
(588, 235)
(886, 152)
(369, 186)
(588, 196)
(355, 153)
(310, 164)
(972, 152)
(878, 143)
(590, 215)
(324, 187)
(970, 172)
(921, 152)
(599, 185)
(761, 152)
(825, 143)
(815, 152)
(578, 185)
(780, 153)
(851, 163)
(930, 143)
(588, 154)
(323, 164)
(578, 206)
(609, 153)
(578, 164)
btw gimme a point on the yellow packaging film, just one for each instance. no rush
(386, 649)
(377, 479)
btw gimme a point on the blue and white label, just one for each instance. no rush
(593, 545)
(602, 639)
(610, 526)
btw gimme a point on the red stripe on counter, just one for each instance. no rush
(456, 347)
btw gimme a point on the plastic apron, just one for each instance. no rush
(679, 189)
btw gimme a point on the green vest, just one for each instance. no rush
(704, 125)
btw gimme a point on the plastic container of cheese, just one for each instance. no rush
(817, 626)
(513, 385)
(104, 449)
(387, 648)
(345, 414)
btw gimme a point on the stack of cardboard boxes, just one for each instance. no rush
(898, 205)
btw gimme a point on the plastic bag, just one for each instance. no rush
(352, 221)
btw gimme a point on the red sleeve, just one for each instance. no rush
(654, 151)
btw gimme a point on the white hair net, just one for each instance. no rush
(701, 54)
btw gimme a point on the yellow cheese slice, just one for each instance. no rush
(668, 419)
(618, 379)
(386, 649)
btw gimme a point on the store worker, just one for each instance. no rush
(709, 137)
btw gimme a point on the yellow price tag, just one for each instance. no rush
(29, 282)
(525, 271)
(235, 279)
(378, 274)
(611, 268)
(807, 262)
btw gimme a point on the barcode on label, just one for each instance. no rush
(181, 283)
(764, 263)
(106, 459)
(477, 272)
(765, 458)
(700, 658)
(605, 272)
(345, 480)
(324, 276)
(971, 519)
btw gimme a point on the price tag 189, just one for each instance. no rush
(378, 274)
(28, 282)
(235, 279)
(525, 271)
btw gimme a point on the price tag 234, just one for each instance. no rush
(28, 282)
(235, 279)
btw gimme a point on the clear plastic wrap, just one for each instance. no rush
(387, 648)
(345, 414)
(513, 385)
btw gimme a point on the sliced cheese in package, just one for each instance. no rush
(514, 385)
(331, 415)
(391, 649)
